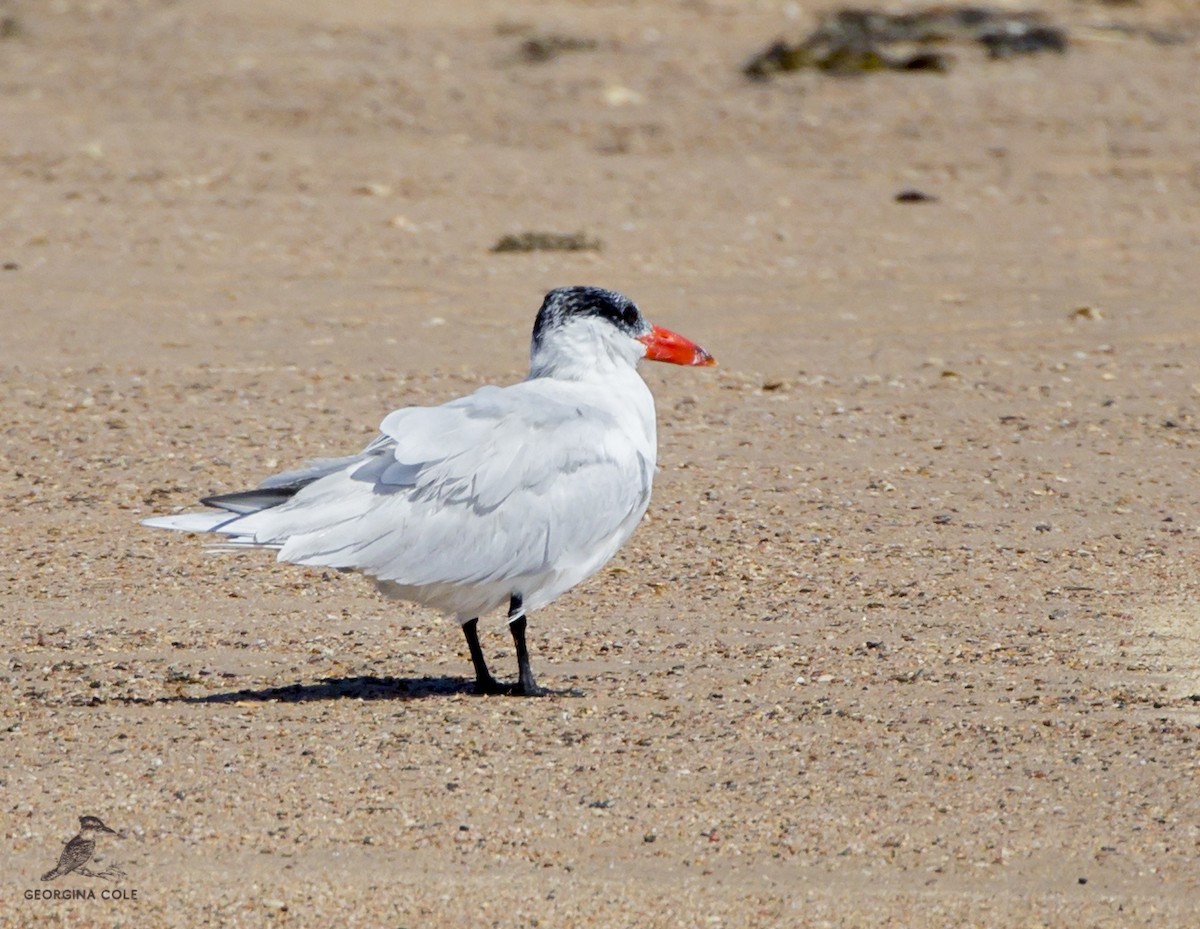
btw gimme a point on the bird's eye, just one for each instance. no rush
(629, 315)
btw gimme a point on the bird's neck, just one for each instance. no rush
(598, 369)
(585, 351)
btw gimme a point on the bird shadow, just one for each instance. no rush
(362, 687)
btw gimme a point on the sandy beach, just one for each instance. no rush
(910, 636)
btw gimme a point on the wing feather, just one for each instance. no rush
(502, 484)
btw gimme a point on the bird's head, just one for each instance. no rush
(585, 328)
(93, 824)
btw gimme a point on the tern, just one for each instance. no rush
(508, 495)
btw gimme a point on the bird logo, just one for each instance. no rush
(79, 851)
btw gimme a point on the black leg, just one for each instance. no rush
(484, 682)
(525, 686)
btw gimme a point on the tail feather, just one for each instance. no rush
(227, 509)
(251, 501)
(230, 509)
(192, 522)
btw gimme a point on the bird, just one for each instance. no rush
(79, 850)
(510, 494)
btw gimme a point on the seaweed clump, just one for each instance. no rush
(858, 41)
(547, 242)
(539, 48)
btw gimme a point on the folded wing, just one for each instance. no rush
(502, 484)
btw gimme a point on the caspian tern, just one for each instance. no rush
(511, 494)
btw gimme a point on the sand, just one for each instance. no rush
(910, 636)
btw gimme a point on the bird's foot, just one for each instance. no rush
(486, 686)
(528, 689)
(489, 686)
